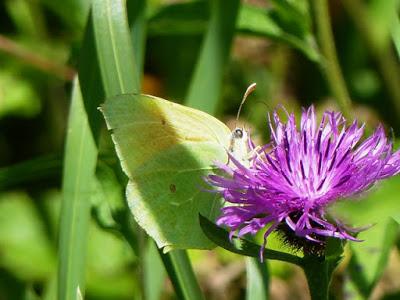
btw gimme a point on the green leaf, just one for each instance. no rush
(180, 19)
(293, 16)
(205, 86)
(257, 21)
(242, 246)
(370, 257)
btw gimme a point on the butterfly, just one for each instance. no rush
(166, 149)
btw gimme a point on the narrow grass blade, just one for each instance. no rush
(205, 87)
(106, 69)
(79, 162)
(180, 272)
(137, 23)
(257, 279)
(154, 273)
(114, 48)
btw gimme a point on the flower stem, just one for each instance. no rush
(330, 65)
(318, 277)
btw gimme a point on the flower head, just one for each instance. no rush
(289, 183)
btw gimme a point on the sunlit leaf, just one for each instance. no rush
(180, 19)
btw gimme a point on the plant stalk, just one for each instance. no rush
(318, 277)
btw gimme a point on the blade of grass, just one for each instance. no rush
(154, 273)
(114, 48)
(106, 68)
(257, 279)
(329, 62)
(205, 86)
(79, 162)
(137, 23)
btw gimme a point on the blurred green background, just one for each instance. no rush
(274, 45)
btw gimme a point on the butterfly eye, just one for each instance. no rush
(238, 133)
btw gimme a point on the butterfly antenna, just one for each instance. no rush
(249, 90)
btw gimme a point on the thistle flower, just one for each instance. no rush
(290, 182)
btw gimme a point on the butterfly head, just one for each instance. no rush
(239, 144)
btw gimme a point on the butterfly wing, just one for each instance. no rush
(166, 149)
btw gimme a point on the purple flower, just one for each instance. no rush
(289, 183)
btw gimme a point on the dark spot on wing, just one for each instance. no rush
(163, 122)
(172, 188)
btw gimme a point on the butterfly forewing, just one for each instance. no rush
(166, 149)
